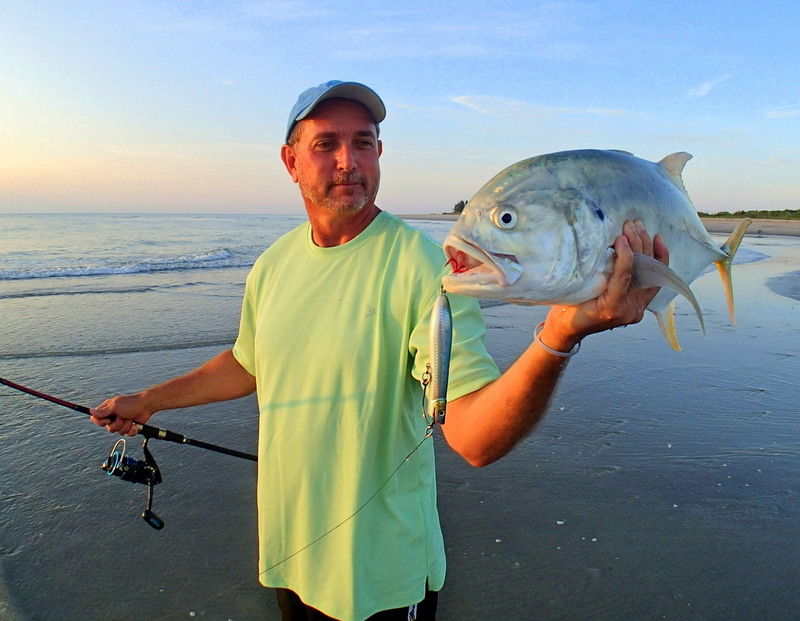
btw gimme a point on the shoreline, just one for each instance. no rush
(760, 226)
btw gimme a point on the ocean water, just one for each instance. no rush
(662, 485)
(90, 284)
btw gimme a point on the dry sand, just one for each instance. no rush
(790, 228)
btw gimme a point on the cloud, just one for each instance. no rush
(219, 20)
(286, 10)
(514, 109)
(705, 88)
(551, 31)
(783, 112)
(727, 140)
(783, 161)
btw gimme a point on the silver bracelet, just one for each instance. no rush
(561, 354)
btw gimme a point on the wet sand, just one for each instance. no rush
(661, 484)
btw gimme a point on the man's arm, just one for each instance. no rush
(485, 425)
(219, 379)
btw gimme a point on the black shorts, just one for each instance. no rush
(294, 609)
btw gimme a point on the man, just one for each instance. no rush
(333, 337)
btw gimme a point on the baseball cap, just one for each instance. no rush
(309, 99)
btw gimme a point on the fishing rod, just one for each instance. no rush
(129, 468)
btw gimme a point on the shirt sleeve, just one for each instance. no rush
(244, 347)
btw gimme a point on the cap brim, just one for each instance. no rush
(355, 92)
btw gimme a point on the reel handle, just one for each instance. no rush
(134, 470)
(147, 515)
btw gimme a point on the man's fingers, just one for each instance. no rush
(620, 280)
(638, 237)
(100, 417)
(644, 237)
(632, 236)
(660, 250)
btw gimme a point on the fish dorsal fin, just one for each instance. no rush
(674, 164)
(621, 151)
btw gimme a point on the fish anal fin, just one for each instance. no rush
(649, 272)
(666, 321)
(674, 164)
(724, 265)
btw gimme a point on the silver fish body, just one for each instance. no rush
(542, 232)
(440, 340)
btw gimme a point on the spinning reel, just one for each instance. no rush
(134, 470)
(129, 468)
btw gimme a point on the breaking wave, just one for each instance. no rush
(212, 259)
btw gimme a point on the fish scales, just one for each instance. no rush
(542, 232)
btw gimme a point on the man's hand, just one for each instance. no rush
(119, 414)
(619, 304)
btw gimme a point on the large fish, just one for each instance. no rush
(542, 232)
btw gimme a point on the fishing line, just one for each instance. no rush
(431, 421)
(428, 434)
(128, 468)
(430, 424)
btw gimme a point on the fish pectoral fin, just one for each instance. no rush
(666, 321)
(724, 265)
(650, 272)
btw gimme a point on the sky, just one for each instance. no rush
(181, 106)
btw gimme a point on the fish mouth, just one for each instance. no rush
(471, 264)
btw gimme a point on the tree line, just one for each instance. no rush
(765, 214)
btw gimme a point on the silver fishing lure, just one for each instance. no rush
(440, 340)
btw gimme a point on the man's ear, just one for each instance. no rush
(289, 160)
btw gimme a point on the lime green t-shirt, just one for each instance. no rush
(337, 339)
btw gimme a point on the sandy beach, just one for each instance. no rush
(760, 226)
(661, 485)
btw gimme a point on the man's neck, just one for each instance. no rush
(334, 229)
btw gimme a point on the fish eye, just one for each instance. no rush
(504, 217)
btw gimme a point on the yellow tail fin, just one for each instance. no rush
(724, 265)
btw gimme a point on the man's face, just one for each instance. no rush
(335, 157)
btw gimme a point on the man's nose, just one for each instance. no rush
(345, 159)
